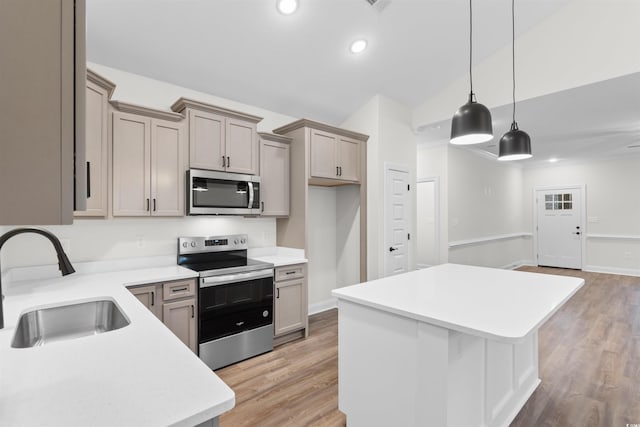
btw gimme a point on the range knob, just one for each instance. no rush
(235, 242)
(193, 244)
(243, 241)
(185, 244)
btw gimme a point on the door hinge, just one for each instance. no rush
(408, 187)
(408, 236)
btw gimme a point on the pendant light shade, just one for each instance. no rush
(514, 145)
(471, 124)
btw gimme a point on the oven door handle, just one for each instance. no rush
(206, 282)
(250, 195)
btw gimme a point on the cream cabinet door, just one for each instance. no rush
(323, 154)
(167, 168)
(131, 165)
(149, 297)
(180, 318)
(206, 140)
(289, 306)
(348, 159)
(241, 147)
(274, 173)
(97, 116)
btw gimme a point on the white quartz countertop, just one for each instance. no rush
(501, 305)
(139, 375)
(279, 256)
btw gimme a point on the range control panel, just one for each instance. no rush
(191, 245)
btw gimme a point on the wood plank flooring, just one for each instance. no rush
(589, 366)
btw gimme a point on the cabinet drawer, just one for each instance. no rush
(289, 272)
(178, 289)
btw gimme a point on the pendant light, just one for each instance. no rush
(515, 144)
(471, 124)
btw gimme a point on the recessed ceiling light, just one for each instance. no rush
(553, 160)
(358, 46)
(287, 7)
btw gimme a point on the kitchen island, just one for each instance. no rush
(450, 345)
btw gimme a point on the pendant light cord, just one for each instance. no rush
(470, 48)
(513, 56)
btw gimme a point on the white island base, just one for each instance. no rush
(397, 371)
(447, 346)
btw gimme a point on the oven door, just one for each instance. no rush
(234, 303)
(221, 193)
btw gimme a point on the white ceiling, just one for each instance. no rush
(597, 121)
(299, 65)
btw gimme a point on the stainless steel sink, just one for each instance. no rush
(43, 326)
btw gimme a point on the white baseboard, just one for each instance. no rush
(517, 264)
(319, 307)
(612, 270)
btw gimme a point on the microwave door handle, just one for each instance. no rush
(250, 195)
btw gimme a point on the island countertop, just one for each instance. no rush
(500, 305)
(139, 375)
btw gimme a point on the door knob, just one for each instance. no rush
(391, 249)
(577, 232)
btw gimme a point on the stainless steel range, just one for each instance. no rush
(235, 298)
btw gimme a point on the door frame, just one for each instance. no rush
(411, 214)
(436, 208)
(583, 218)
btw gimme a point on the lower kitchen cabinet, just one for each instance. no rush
(174, 303)
(291, 314)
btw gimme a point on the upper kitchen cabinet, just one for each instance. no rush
(42, 90)
(220, 139)
(274, 174)
(148, 162)
(325, 155)
(99, 91)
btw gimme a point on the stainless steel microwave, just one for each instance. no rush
(222, 193)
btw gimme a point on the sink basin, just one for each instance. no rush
(43, 326)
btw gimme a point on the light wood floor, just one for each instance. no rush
(589, 366)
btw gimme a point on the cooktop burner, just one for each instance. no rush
(218, 255)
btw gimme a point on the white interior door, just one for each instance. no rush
(426, 224)
(397, 221)
(559, 227)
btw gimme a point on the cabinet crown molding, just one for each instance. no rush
(183, 103)
(320, 126)
(273, 137)
(125, 107)
(104, 83)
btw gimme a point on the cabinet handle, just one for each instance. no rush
(179, 289)
(239, 323)
(154, 205)
(340, 169)
(289, 272)
(228, 162)
(153, 298)
(193, 311)
(88, 179)
(147, 205)
(262, 204)
(337, 171)
(224, 164)
(277, 292)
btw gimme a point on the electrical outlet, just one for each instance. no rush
(140, 241)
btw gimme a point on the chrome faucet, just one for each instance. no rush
(63, 262)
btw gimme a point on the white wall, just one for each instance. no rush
(347, 235)
(613, 209)
(426, 226)
(98, 239)
(322, 266)
(391, 140)
(480, 199)
(584, 42)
